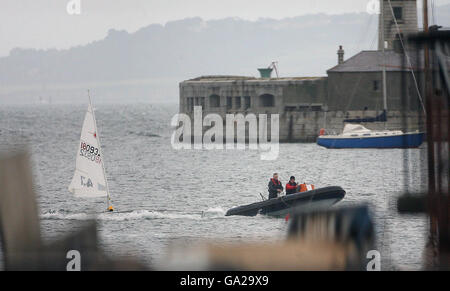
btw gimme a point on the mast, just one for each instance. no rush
(432, 197)
(384, 62)
(108, 198)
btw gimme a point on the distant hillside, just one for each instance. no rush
(148, 64)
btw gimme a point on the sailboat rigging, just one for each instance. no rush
(357, 136)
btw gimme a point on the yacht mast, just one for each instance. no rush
(384, 60)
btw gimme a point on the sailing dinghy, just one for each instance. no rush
(89, 179)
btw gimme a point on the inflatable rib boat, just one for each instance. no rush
(322, 197)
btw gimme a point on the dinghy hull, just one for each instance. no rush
(322, 197)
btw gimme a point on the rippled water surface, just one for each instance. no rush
(182, 195)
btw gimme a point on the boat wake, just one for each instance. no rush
(132, 215)
(144, 134)
(214, 212)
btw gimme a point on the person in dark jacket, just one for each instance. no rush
(292, 187)
(275, 186)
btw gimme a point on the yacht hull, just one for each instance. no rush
(405, 140)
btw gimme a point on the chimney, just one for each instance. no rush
(340, 54)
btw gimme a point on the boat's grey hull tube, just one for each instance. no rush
(322, 197)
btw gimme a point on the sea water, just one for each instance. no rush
(180, 196)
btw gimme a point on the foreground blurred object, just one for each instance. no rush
(436, 46)
(351, 227)
(20, 229)
(19, 221)
(337, 239)
(433, 57)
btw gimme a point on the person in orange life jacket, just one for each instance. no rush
(292, 187)
(275, 186)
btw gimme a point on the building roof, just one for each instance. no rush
(373, 61)
(221, 78)
(229, 78)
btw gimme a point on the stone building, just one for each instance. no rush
(405, 12)
(352, 89)
(356, 84)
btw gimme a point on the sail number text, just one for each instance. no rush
(90, 152)
(86, 182)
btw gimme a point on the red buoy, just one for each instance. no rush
(287, 217)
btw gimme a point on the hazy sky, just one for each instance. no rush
(47, 24)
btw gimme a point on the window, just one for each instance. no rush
(202, 102)
(376, 85)
(247, 102)
(229, 102)
(397, 43)
(303, 108)
(190, 104)
(289, 108)
(214, 101)
(267, 100)
(237, 102)
(398, 13)
(399, 36)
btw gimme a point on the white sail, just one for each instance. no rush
(89, 178)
